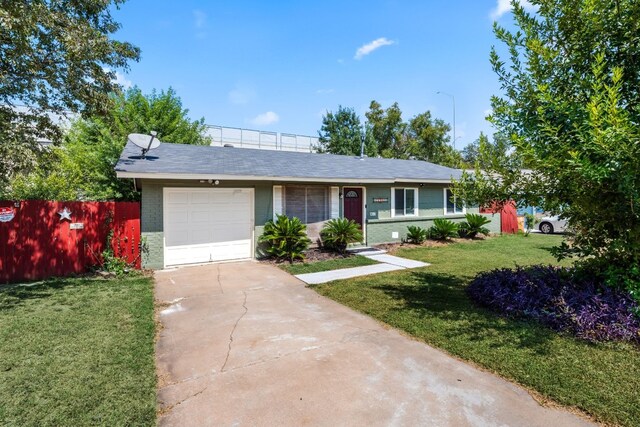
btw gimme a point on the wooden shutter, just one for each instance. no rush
(277, 201)
(335, 202)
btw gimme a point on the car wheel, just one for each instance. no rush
(546, 228)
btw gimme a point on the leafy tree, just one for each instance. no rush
(571, 92)
(83, 168)
(386, 134)
(485, 153)
(428, 137)
(388, 130)
(342, 133)
(56, 57)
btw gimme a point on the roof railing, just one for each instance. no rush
(263, 140)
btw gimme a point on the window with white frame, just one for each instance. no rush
(404, 202)
(309, 203)
(452, 205)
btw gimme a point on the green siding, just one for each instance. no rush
(151, 225)
(381, 231)
(379, 227)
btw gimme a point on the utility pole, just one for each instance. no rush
(453, 99)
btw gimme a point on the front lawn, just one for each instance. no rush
(78, 352)
(431, 305)
(326, 265)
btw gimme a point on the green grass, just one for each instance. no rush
(78, 352)
(331, 264)
(431, 305)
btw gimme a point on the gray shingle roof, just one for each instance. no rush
(191, 161)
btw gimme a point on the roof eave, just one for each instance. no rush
(199, 176)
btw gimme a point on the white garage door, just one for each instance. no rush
(207, 224)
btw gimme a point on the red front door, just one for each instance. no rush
(353, 204)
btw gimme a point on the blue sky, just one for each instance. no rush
(279, 65)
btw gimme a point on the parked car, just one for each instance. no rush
(552, 224)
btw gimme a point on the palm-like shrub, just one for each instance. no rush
(443, 229)
(285, 238)
(338, 233)
(416, 234)
(474, 225)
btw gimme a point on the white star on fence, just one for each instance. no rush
(65, 214)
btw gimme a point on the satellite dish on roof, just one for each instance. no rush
(145, 142)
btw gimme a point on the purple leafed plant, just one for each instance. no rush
(561, 299)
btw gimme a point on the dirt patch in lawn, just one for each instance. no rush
(392, 248)
(312, 255)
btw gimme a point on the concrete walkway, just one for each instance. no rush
(246, 344)
(387, 263)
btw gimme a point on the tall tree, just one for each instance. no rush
(55, 57)
(570, 105)
(485, 153)
(386, 134)
(342, 133)
(428, 138)
(83, 168)
(388, 130)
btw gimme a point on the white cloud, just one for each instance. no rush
(324, 91)
(504, 6)
(119, 78)
(123, 81)
(241, 95)
(199, 19)
(200, 23)
(264, 119)
(366, 49)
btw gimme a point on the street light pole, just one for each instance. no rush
(453, 99)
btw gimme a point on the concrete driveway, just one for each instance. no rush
(248, 344)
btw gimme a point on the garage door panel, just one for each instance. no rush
(200, 198)
(236, 250)
(200, 216)
(230, 234)
(179, 198)
(200, 237)
(203, 225)
(178, 215)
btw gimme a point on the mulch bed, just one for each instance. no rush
(313, 255)
(392, 248)
(319, 254)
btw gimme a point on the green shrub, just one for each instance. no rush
(416, 234)
(443, 229)
(338, 233)
(286, 238)
(111, 262)
(474, 225)
(529, 222)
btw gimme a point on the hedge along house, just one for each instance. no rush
(204, 204)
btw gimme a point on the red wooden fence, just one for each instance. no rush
(508, 216)
(38, 241)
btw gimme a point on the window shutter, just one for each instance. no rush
(335, 202)
(277, 201)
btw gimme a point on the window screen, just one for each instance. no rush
(410, 204)
(309, 203)
(453, 205)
